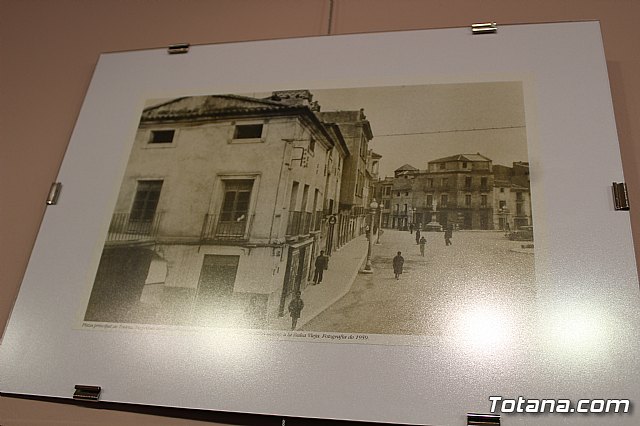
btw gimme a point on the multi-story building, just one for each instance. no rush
(220, 210)
(384, 189)
(357, 133)
(458, 191)
(464, 191)
(402, 200)
(512, 197)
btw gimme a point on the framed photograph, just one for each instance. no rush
(389, 227)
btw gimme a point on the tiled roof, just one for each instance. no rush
(406, 167)
(203, 106)
(462, 157)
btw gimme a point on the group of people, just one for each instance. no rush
(322, 262)
(398, 260)
(296, 304)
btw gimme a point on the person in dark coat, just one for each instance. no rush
(322, 263)
(295, 308)
(411, 228)
(418, 236)
(448, 233)
(398, 261)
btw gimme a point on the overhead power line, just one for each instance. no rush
(450, 131)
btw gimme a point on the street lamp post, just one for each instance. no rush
(368, 269)
(379, 223)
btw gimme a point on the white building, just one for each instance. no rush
(220, 211)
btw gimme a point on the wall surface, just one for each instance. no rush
(48, 50)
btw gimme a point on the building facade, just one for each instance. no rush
(403, 197)
(463, 191)
(221, 211)
(353, 205)
(512, 197)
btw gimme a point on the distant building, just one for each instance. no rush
(402, 200)
(512, 196)
(384, 188)
(464, 191)
(459, 190)
(356, 130)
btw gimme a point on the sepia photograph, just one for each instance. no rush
(365, 211)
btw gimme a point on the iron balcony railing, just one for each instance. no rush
(125, 228)
(317, 220)
(215, 228)
(302, 223)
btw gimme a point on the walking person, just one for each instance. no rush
(423, 241)
(295, 308)
(448, 233)
(398, 261)
(322, 263)
(418, 236)
(411, 228)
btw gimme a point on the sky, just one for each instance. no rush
(417, 124)
(421, 123)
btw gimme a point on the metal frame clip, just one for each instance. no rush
(485, 28)
(87, 393)
(178, 48)
(620, 196)
(54, 193)
(475, 419)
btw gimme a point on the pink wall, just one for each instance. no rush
(48, 51)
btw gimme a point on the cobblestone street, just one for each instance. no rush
(480, 267)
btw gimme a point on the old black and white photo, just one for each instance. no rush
(235, 207)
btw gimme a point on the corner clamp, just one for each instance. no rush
(87, 393)
(178, 48)
(486, 28)
(54, 193)
(620, 196)
(474, 419)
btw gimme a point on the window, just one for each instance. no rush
(430, 183)
(519, 196)
(248, 131)
(467, 200)
(162, 136)
(519, 210)
(312, 143)
(305, 196)
(442, 166)
(467, 181)
(483, 200)
(363, 147)
(464, 165)
(501, 189)
(444, 200)
(445, 182)
(235, 205)
(429, 200)
(483, 183)
(144, 206)
(406, 194)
